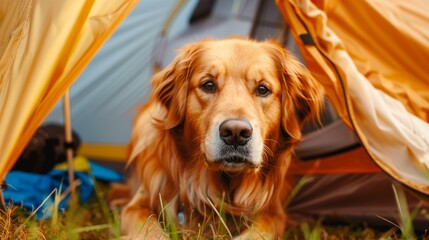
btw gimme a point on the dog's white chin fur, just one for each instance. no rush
(231, 167)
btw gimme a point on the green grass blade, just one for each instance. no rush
(406, 219)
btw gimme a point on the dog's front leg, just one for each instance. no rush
(266, 226)
(269, 224)
(138, 221)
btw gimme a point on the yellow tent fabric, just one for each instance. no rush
(371, 57)
(44, 46)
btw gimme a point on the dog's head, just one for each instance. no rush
(236, 101)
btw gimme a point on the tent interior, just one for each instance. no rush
(344, 184)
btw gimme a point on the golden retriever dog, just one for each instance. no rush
(214, 141)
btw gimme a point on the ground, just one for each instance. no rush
(95, 220)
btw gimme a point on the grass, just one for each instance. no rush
(94, 220)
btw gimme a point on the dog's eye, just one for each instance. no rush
(262, 91)
(208, 87)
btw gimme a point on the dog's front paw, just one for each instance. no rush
(155, 234)
(253, 234)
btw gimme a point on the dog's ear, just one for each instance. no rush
(302, 95)
(170, 88)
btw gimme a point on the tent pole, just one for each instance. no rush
(2, 201)
(68, 139)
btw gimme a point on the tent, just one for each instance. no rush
(376, 119)
(369, 58)
(44, 46)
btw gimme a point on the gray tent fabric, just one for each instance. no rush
(117, 79)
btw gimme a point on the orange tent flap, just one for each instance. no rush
(355, 51)
(45, 45)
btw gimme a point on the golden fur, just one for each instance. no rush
(178, 154)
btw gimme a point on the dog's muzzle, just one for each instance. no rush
(236, 135)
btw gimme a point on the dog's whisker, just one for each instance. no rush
(272, 140)
(198, 139)
(267, 152)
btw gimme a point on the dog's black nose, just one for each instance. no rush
(235, 132)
